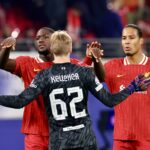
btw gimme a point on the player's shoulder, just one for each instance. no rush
(24, 58)
(30, 59)
(45, 73)
(71, 66)
(78, 65)
(114, 62)
(83, 71)
(74, 61)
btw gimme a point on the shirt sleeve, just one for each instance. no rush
(97, 89)
(35, 88)
(87, 61)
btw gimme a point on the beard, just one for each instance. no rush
(129, 54)
(45, 53)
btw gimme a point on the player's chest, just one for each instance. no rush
(121, 77)
(33, 68)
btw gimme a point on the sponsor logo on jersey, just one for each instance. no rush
(65, 78)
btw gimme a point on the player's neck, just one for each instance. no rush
(48, 57)
(61, 59)
(135, 59)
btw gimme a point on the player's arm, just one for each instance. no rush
(94, 50)
(140, 83)
(99, 70)
(28, 95)
(6, 46)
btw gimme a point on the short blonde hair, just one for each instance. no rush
(61, 43)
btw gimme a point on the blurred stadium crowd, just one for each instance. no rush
(83, 19)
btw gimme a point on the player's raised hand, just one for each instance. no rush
(141, 82)
(94, 50)
(7, 43)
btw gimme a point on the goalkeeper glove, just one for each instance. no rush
(140, 83)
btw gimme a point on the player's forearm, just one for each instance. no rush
(21, 100)
(12, 101)
(99, 70)
(111, 100)
(4, 55)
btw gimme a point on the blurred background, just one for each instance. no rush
(85, 21)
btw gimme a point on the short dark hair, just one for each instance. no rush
(48, 29)
(139, 31)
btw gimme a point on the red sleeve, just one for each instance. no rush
(87, 61)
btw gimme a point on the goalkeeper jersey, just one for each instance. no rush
(34, 118)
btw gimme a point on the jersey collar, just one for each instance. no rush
(142, 62)
(38, 59)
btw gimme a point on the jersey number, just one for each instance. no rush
(58, 102)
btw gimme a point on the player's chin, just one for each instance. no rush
(43, 52)
(42, 49)
(128, 53)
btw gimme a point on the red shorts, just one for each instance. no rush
(36, 142)
(131, 145)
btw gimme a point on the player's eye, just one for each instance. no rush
(37, 38)
(132, 37)
(123, 38)
(46, 36)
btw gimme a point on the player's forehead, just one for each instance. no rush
(42, 32)
(129, 31)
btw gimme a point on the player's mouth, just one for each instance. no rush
(41, 47)
(127, 48)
